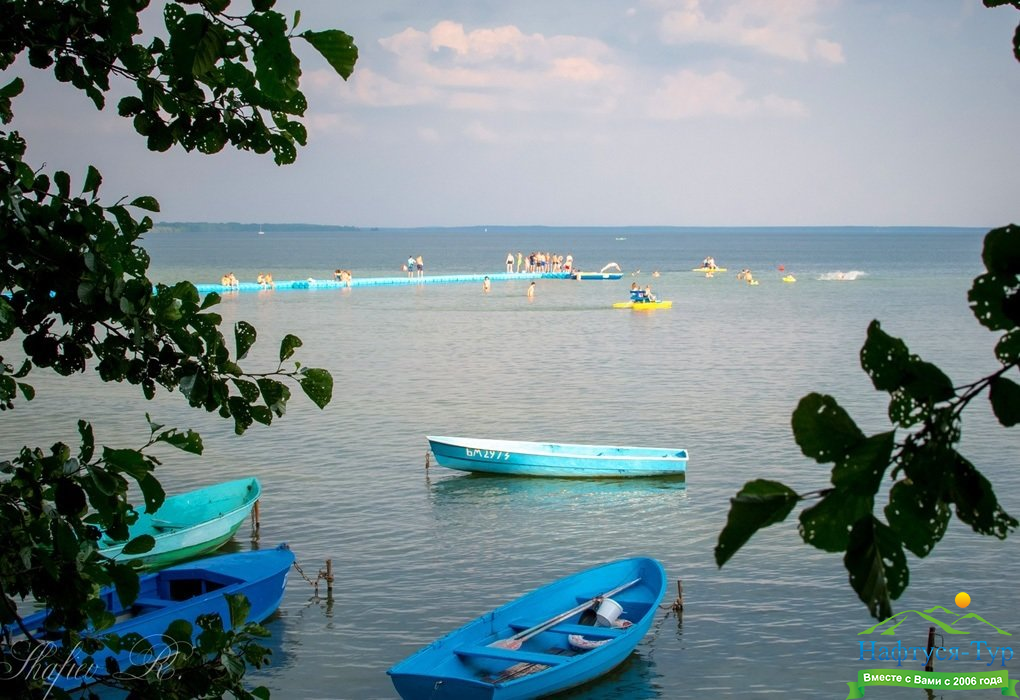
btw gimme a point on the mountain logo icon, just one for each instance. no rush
(948, 621)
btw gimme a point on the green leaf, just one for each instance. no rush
(1001, 253)
(125, 580)
(336, 47)
(69, 498)
(757, 505)
(1005, 397)
(274, 394)
(877, 565)
(140, 545)
(92, 181)
(241, 412)
(927, 384)
(317, 385)
(1007, 350)
(277, 69)
(826, 525)
(152, 492)
(63, 182)
(88, 441)
(884, 358)
(146, 202)
(132, 462)
(12, 89)
(823, 430)
(918, 516)
(211, 299)
(976, 503)
(189, 440)
(994, 300)
(244, 337)
(249, 390)
(288, 346)
(178, 634)
(239, 609)
(862, 469)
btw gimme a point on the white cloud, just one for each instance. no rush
(480, 133)
(785, 28)
(688, 95)
(499, 68)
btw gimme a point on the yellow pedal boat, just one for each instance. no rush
(643, 305)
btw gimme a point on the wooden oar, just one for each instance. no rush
(518, 639)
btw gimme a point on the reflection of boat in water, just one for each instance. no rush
(495, 489)
(631, 680)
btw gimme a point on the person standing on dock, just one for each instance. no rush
(509, 263)
(410, 266)
(520, 261)
(419, 264)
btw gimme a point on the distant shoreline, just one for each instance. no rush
(237, 227)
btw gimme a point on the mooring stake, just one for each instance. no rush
(678, 604)
(426, 460)
(930, 666)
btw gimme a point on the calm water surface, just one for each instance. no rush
(417, 553)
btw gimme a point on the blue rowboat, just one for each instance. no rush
(556, 459)
(183, 592)
(189, 524)
(556, 637)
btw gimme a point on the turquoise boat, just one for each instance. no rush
(183, 592)
(559, 636)
(517, 457)
(189, 524)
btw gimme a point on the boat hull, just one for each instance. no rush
(463, 664)
(643, 305)
(190, 524)
(708, 269)
(514, 457)
(183, 592)
(598, 275)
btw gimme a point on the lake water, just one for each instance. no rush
(416, 553)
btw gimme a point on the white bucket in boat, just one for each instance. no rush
(607, 613)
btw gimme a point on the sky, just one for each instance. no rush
(603, 113)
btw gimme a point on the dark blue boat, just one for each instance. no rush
(182, 592)
(556, 637)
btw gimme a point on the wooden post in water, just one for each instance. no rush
(329, 578)
(930, 666)
(426, 460)
(678, 604)
(255, 515)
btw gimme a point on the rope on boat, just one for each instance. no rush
(323, 575)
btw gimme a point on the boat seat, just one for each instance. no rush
(586, 630)
(152, 602)
(515, 655)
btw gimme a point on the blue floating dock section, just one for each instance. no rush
(381, 282)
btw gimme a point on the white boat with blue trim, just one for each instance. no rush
(517, 457)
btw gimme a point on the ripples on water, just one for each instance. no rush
(418, 553)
